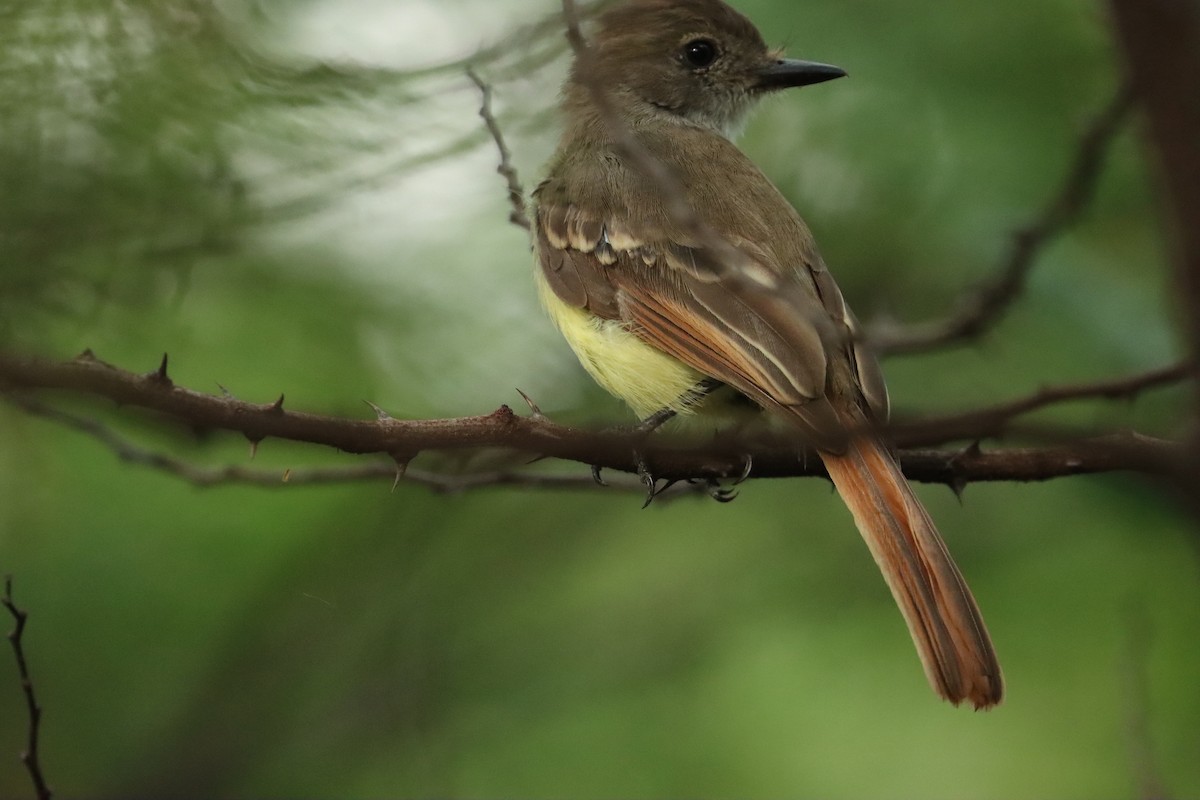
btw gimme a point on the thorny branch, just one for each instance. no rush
(211, 476)
(978, 310)
(29, 756)
(671, 458)
(954, 468)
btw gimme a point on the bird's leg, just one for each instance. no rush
(691, 397)
(655, 420)
(652, 423)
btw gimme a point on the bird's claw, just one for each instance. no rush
(648, 479)
(714, 489)
(727, 494)
(747, 468)
(721, 493)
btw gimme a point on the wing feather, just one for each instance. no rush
(771, 345)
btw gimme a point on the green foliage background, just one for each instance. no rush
(299, 197)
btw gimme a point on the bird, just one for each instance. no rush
(677, 272)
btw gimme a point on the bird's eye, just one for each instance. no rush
(700, 53)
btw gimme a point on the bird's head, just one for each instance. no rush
(697, 59)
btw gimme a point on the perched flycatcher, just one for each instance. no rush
(646, 302)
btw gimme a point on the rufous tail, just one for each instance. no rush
(933, 597)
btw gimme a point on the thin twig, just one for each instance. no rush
(983, 423)
(516, 194)
(980, 309)
(29, 756)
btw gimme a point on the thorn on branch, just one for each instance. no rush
(380, 414)
(277, 406)
(402, 462)
(957, 483)
(88, 356)
(160, 375)
(533, 407)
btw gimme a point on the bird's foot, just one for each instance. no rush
(639, 431)
(726, 494)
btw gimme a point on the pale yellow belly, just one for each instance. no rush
(645, 378)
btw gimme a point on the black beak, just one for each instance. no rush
(788, 72)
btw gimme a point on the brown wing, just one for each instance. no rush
(771, 344)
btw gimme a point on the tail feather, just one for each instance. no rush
(942, 616)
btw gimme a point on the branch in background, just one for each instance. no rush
(985, 423)
(29, 756)
(1161, 40)
(668, 458)
(981, 309)
(516, 194)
